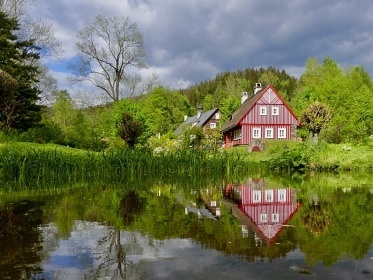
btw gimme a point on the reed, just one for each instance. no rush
(39, 165)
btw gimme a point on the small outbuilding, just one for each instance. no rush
(207, 120)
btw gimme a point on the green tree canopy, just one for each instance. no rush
(164, 110)
(348, 93)
(315, 117)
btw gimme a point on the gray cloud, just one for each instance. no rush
(191, 41)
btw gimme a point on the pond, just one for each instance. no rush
(257, 227)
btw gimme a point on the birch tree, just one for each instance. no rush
(108, 49)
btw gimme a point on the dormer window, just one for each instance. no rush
(263, 110)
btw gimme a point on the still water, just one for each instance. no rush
(318, 227)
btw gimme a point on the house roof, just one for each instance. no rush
(201, 121)
(246, 106)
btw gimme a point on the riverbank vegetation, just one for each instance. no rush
(25, 164)
(29, 164)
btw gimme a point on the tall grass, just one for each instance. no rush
(39, 166)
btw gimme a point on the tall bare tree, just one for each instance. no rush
(108, 49)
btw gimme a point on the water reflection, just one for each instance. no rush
(256, 229)
(266, 210)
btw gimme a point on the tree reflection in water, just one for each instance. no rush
(114, 260)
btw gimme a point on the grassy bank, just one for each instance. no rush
(291, 155)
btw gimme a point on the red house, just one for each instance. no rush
(267, 209)
(263, 115)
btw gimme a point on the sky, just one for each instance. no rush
(191, 41)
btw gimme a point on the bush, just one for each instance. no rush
(47, 133)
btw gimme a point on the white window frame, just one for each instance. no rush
(275, 217)
(256, 133)
(281, 195)
(212, 125)
(281, 133)
(268, 195)
(237, 134)
(275, 111)
(263, 110)
(257, 196)
(263, 217)
(269, 133)
(217, 116)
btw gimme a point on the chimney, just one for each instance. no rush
(257, 88)
(199, 111)
(244, 96)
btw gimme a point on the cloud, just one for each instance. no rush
(191, 41)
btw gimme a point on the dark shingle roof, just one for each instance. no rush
(203, 119)
(239, 113)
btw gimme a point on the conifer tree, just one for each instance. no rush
(18, 95)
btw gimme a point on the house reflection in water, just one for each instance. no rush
(268, 210)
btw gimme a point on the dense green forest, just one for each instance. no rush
(334, 103)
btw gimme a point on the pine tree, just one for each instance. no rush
(18, 93)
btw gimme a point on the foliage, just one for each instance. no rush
(47, 132)
(192, 137)
(129, 129)
(343, 92)
(134, 110)
(315, 117)
(212, 139)
(228, 106)
(164, 110)
(291, 159)
(18, 108)
(162, 144)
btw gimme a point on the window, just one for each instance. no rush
(217, 116)
(282, 195)
(263, 111)
(237, 134)
(263, 217)
(282, 133)
(212, 125)
(256, 133)
(257, 196)
(275, 218)
(268, 195)
(269, 132)
(275, 111)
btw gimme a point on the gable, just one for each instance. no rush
(203, 119)
(249, 111)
